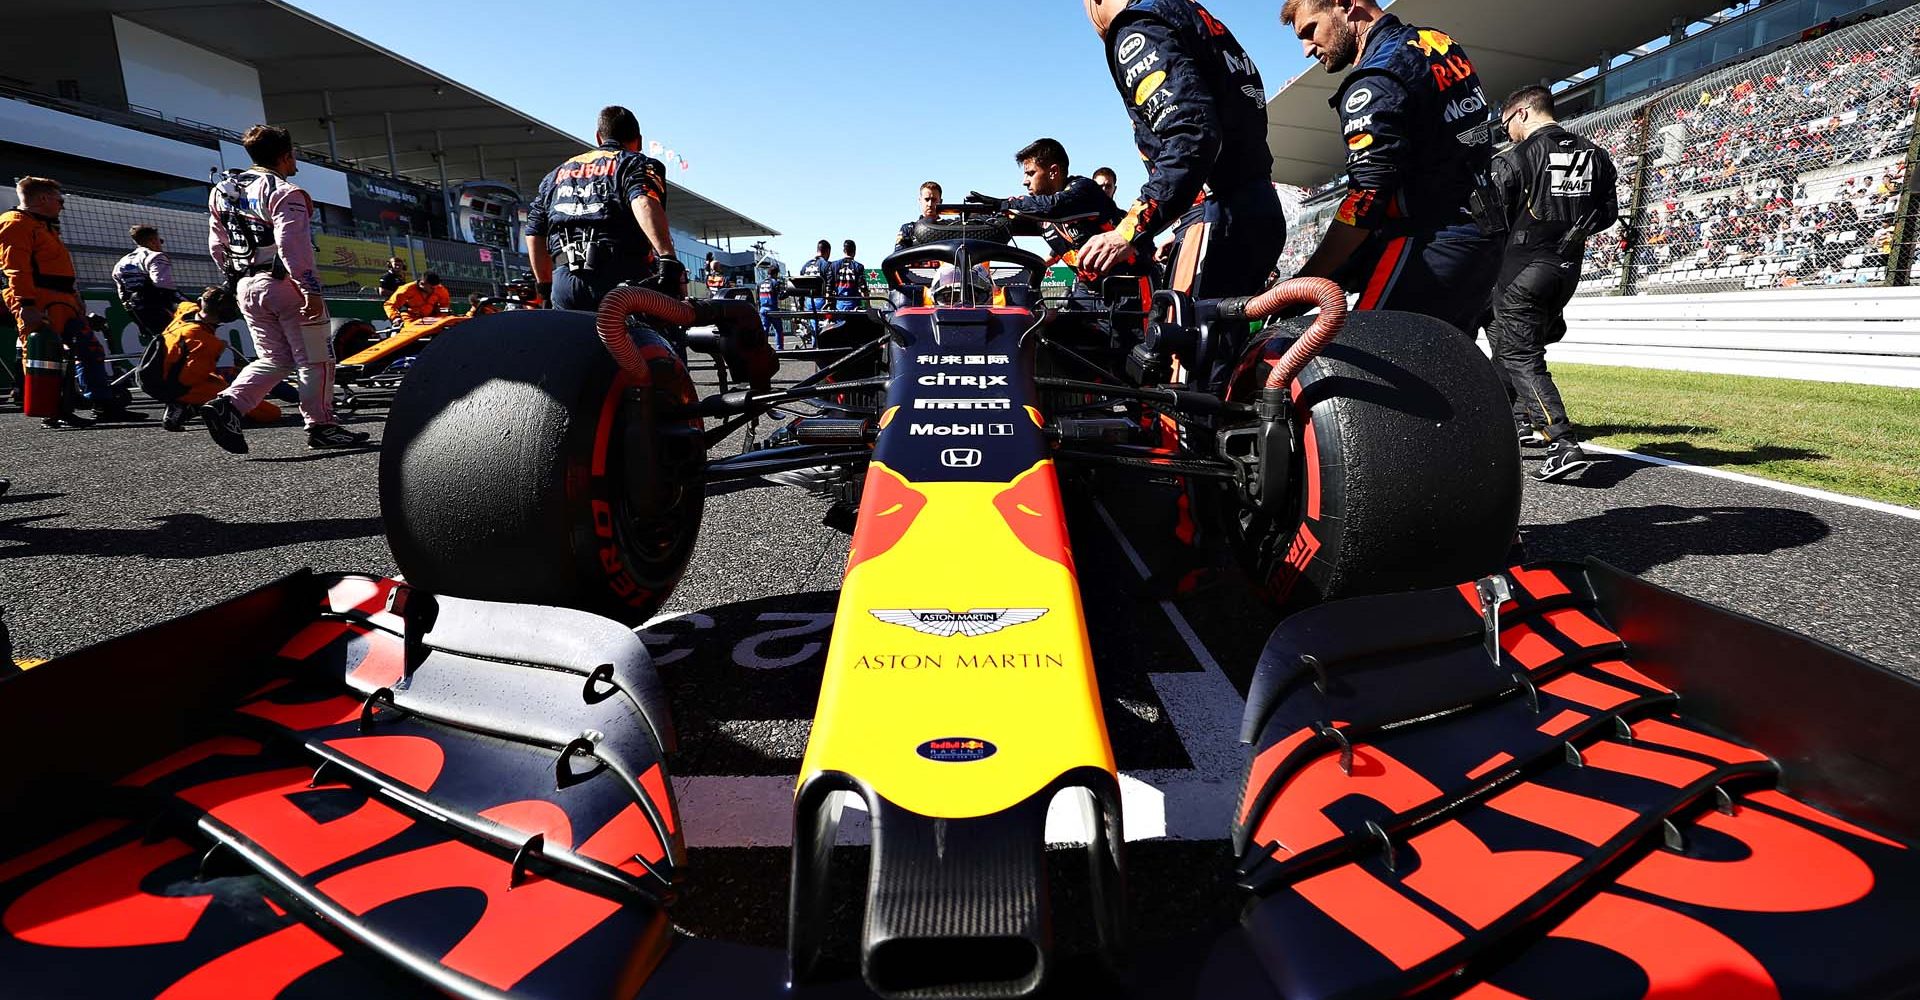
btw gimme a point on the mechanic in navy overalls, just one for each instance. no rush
(601, 219)
(849, 281)
(822, 266)
(1412, 232)
(1053, 193)
(930, 195)
(769, 292)
(1199, 117)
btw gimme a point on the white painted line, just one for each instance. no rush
(1772, 484)
(1203, 705)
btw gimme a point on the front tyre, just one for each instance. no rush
(521, 465)
(1405, 473)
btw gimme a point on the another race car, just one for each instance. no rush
(1465, 779)
(373, 360)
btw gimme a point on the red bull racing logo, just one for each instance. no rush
(956, 750)
(1432, 43)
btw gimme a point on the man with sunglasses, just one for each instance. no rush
(1557, 189)
(1419, 138)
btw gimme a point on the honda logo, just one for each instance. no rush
(960, 458)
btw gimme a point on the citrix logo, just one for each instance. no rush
(975, 381)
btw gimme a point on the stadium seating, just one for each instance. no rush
(1783, 171)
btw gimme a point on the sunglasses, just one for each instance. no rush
(1508, 120)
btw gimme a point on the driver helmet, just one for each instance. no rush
(947, 288)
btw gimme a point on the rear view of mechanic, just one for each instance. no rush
(418, 300)
(600, 219)
(820, 266)
(930, 196)
(260, 232)
(1419, 140)
(1199, 117)
(848, 281)
(1557, 189)
(41, 293)
(1054, 193)
(769, 292)
(144, 281)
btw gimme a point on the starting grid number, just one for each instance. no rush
(674, 640)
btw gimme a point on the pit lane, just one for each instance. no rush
(111, 528)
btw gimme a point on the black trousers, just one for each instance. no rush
(1444, 273)
(1226, 246)
(1528, 314)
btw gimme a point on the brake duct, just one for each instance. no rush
(743, 344)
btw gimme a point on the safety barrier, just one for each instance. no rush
(1867, 335)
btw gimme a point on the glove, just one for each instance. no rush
(672, 277)
(544, 289)
(976, 198)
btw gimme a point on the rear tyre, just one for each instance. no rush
(1405, 474)
(518, 465)
(354, 336)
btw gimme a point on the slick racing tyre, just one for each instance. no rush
(520, 465)
(1404, 474)
(354, 336)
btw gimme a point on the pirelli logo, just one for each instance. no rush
(962, 404)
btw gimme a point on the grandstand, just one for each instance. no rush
(1784, 167)
(140, 102)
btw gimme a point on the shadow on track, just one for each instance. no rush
(1637, 539)
(174, 536)
(28, 497)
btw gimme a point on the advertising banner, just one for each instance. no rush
(351, 265)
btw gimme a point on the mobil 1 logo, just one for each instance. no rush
(960, 430)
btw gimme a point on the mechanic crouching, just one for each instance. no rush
(1408, 235)
(1199, 117)
(194, 348)
(600, 219)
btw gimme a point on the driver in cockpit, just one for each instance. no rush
(950, 287)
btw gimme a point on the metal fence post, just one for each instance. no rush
(1900, 254)
(1637, 204)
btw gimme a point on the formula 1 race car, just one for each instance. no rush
(373, 360)
(1465, 779)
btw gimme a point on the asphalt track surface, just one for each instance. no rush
(114, 527)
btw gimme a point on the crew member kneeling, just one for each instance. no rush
(600, 219)
(194, 348)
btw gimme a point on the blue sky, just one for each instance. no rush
(820, 120)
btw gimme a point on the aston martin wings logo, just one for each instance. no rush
(979, 621)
